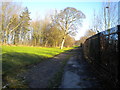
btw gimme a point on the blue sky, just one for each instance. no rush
(40, 9)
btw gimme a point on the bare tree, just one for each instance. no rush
(69, 41)
(107, 17)
(37, 31)
(8, 11)
(90, 33)
(67, 20)
(110, 11)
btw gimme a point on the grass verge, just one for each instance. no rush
(15, 60)
(56, 81)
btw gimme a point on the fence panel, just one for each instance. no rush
(102, 50)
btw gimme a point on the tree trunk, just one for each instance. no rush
(6, 38)
(63, 41)
(46, 43)
(56, 44)
(35, 41)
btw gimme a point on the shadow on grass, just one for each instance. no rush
(13, 60)
(14, 63)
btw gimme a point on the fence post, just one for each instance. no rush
(118, 42)
(118, 55)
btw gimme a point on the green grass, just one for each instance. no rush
(16, 58)
(56, 81)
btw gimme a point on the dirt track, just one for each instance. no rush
(38, 76)
(77, 72)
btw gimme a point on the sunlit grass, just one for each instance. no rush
(16, 58)
(34, 50)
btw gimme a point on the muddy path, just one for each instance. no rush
(40, 75)
(76, 73)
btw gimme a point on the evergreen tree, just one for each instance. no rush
(25, 19)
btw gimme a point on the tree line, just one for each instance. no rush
(106, 17)
(103, 19)
(55, 30)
